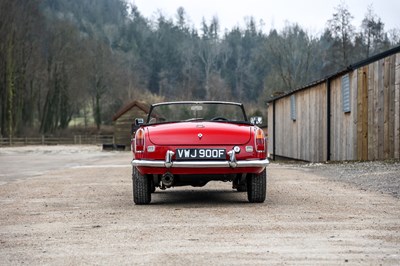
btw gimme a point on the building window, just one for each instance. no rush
(346, 103)
(293, 107)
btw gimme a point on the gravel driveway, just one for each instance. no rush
(79, 210)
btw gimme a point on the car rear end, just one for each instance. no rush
(194, 150)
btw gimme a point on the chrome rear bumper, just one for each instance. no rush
(232, 163)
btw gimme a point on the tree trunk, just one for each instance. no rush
(10, 85)
(97, 110)
(3, 101)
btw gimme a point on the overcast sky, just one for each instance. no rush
(312, 15)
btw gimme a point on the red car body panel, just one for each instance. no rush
(164, 137)
(187, 133)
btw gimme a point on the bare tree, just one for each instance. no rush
(292, 52)
(99, 80)
(342, 30)
(19, 22)
(208, 51)
(372, 32)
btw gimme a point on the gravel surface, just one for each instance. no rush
(81, 213)
(381, 176)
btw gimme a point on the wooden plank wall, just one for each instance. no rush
(279, 125)
(397, 109)
(343, 125)
(383, 109)
(370, 131)
(270, 136)
(305, 138)
(362, 114)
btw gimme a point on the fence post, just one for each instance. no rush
(42, 139)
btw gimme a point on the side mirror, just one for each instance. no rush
(135, 126)
(256, 120)
(139, 121)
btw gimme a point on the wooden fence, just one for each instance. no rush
(46, 140)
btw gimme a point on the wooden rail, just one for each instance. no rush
(46, 140)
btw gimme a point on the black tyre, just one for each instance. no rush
(257, 187)
(141, 188)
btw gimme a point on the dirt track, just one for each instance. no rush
(80, 211)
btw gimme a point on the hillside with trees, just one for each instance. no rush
(64, 60)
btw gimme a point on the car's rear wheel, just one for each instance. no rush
(141, 187)
(257, 187)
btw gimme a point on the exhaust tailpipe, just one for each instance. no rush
(167, 179)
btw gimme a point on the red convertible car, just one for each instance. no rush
(191, 143)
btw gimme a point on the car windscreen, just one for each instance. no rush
(172, 112)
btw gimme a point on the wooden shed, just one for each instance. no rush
(124, 118)
(351, 115)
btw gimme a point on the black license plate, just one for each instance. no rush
(200, 154)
